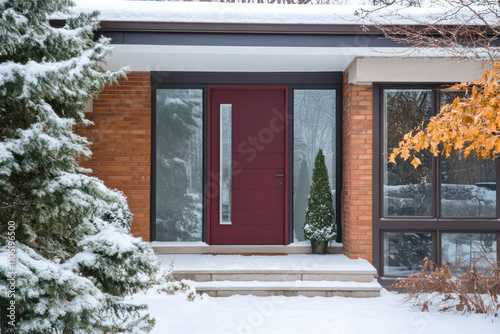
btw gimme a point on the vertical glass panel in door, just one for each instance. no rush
(407, 190)
(314, 127)
(468, 185)
(225, 163)
(179, 164)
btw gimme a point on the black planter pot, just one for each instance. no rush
(319, 247)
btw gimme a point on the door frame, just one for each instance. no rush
(209, 199)
(200, 80)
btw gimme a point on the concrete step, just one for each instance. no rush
(274, 275)
(289, 288)
(294, 267)
(287, 275)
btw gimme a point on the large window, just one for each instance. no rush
(446, 209)
(179, 164)
(314, 128)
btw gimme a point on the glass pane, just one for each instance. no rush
(313, 128)
(468, 185)
(407, 191)
(404, 252)
(179, 164)
(225, 163)
(461, 249)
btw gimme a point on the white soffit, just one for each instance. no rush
(238, 58)
(366, 70)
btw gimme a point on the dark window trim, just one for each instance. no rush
(200, 80)
(245, 78)
(225, 27)
(228, 27)
(434, 223)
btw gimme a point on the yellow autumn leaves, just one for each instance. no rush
(470, 124)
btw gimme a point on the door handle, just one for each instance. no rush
(279, 175)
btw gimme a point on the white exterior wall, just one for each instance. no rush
(367, 70)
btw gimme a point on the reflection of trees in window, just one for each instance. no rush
(314, 128)
(466, 188)
(179, 163)
(462, 249)
(407, 190)
(468, 185)
(405, 252)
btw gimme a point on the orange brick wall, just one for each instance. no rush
(357, 170)
(121, 137)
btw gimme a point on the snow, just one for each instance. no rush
(279, 263)
(169, 11)
(329, 315)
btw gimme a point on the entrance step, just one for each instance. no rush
(291, 288)
(203, 248)
(274, 275)
(286, 275)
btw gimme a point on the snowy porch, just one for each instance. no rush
(199, 247)
(276, 275)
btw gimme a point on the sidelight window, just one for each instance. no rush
(314, 128)
(179, 164)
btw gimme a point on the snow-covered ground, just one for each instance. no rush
(333, 315)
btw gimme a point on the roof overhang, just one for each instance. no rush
(209, 58)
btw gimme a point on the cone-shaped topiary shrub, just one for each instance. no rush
(320, 216)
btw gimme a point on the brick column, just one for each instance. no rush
(121, 137)
(357, 170)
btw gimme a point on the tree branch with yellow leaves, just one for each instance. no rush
(470, 124)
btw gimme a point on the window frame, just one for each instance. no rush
(434, 223)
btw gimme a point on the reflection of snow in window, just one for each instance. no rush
(468, 186)
(464, 249)
(407, 191)
(313, 128)
(179, 164)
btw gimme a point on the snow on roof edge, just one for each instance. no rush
(214, 12)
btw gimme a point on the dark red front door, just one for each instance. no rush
(247, 165)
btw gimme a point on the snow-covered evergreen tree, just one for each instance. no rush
(75, 259)
(320, 216)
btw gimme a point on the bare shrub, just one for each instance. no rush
(448, 288)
